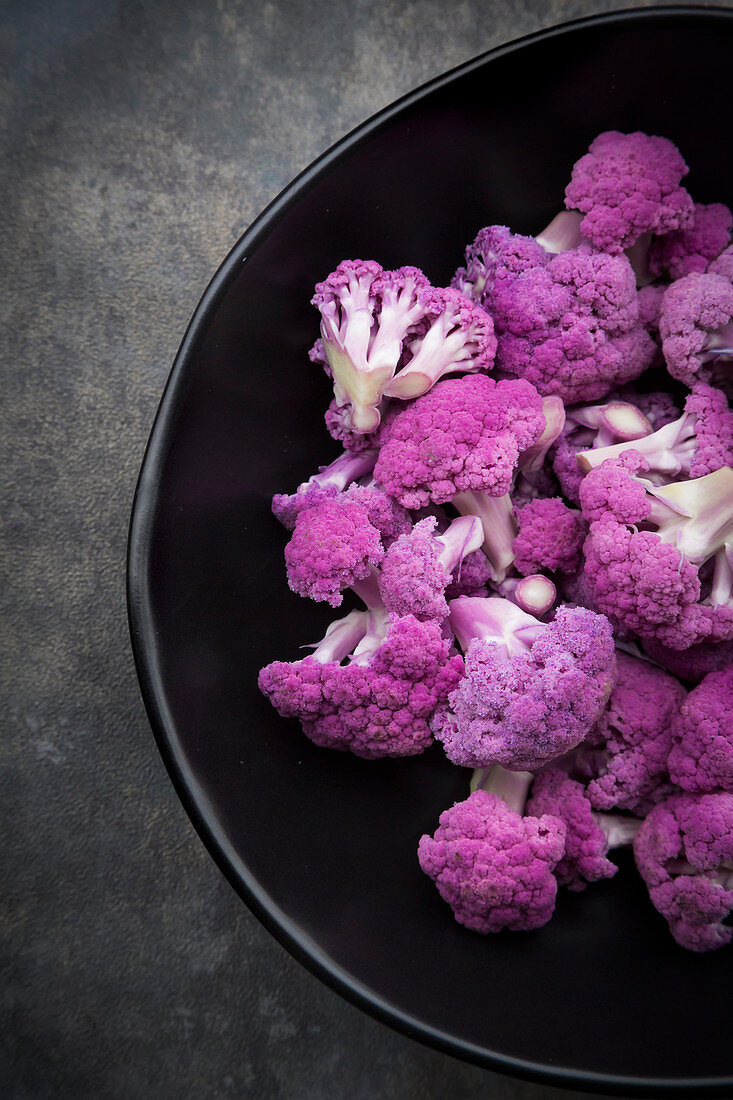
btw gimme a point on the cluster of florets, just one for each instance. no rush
(538, 550)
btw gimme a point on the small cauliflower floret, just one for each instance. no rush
(684, 852)
(491, 864)
(702, 733)
(471, 577)
(628, 186)
(658, 557)
(380, 702)
(571, 325)
(327, 484)
(549, 538)
(418, 567)
(461, 443)
(334, 546)
(589, 836)
(723, 264)
(531, 690)
(633, 737)
(696, 443)
(390, 333)
(696, 326)
(684, 251)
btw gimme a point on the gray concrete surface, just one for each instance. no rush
(139, 140)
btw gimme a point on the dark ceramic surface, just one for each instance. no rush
(321, 845)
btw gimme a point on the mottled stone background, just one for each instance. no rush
(139, 140)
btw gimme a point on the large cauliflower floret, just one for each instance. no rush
(684, 251)
(684, 851)
(571, 326)
(696, 326)
(589, 836)
(628, 185)
(466, 435)
(702, 733)
(391, 334)
(531, 690)
(493, 866)
(380, 702)
(633, 737)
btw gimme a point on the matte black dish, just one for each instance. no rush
(320, 845)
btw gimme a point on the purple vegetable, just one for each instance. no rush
(701, 758)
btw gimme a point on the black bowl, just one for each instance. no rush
(319, 844)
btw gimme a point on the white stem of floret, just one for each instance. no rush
(535, 594)
(400, 311)
(721, 593)
(696, 516)
(377, 624)
(511, 787)
(494, 620)
(638, 257)
(345, 469)
(497, 519)
(531, 460)
(719, 344)
(445, 348)
(367, 589)
(620, 831)
(669, 450)
(563, 232)
(463, 536)
(341, 638)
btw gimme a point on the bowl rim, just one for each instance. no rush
(143, 635)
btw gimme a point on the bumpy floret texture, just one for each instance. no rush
(496, 256)
(691, 664)
(470, 577)
(413, 579)
(684, 251)
(694, 310)
(571, 326)
(628, 185)
(586, 845)
(684, 851)
(701, 758)
(524, 711)
(465, 435)
(634, 735)
(550, 537)
(713, 430)
(372, 710)
(333, 545)
(493, 866)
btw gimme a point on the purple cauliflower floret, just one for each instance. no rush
(327, 484)
(550, 537)
(380, 702)
(332, 547)
(589, 836)
(566, 469)
(723, 264)
(634, 736)
(691, 664)
(383, 511)
(418, 567)
(495, 256)
(698, 442)
(531, 691)
(684, 251)
(673, 583)
(650, 307)
(461, 443)
(571, 326)
(391, 334)
(628, 185)
(492, 865)
(696, 326)
(684, 852)
(701, 758)
(471, 577)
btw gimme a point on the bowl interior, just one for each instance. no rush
(322, 845)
